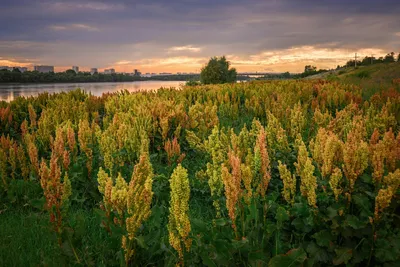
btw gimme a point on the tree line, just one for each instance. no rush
(370, 60)
(69, 76)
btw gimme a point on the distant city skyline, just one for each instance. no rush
(48, 68)
(128, 69)
(181, 35)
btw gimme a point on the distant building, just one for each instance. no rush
(164, 73)
(75, 68)
(7, 68)
(136, 72)
(21, 69)
(93, 71)
(44, 68)
(109, 71)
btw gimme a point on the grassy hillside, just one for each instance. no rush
(372, 78)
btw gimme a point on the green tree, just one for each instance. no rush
(368, 61)
(389, 57)
(217, 71)
(309, 68)
(70, 72)
(398, 58)
(286, 75)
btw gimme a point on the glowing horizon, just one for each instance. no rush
(181, 36)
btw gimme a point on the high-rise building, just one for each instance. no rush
(75, 68)
(44, 68)
(93, 71)
(109, 71)
(136, 72)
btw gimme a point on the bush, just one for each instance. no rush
(192, 83)
(363, 74)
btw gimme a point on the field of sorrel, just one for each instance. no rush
(282, 173)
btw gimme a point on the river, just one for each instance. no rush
(9, 92)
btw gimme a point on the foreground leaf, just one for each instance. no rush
(294, 257)
(343, 256)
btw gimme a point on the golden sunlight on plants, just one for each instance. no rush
(305, 169)
(289, 183)
(178, 222)
(262, 173)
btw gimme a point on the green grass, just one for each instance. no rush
(362, 74)
(27, 240)
(372, 78)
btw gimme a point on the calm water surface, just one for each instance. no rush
(9, 92)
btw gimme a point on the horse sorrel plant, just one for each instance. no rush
(276, 173)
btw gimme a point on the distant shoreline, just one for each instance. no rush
(27, 83)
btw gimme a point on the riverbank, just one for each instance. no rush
(11, 91)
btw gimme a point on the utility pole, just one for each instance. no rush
(372, 59)
(355, 60)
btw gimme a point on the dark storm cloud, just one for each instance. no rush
(104, 32)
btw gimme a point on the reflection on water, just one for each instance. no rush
(9, 92)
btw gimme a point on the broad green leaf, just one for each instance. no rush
(366, 178)
(270, 228)
(323, 238)
(258, 257)
(100, 212)
(343, 255)
(281, 215)
(253, 210)
(200, 225)
(364, 204)
(332, 213)
(298, 224)
(38, 203)
(156, 213)
(66, 249)
(300, 209)
(354, 222)
(140, 242)
(207, 260)
(388, 249)
(317, 253)
(294, 257)
(220, 222)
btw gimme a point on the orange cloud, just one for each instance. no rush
(14, 63)
(186, 48)
(292, 59)
(74, 26)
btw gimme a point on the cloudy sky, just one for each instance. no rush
(181, 35)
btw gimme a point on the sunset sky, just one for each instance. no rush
(180, 36)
